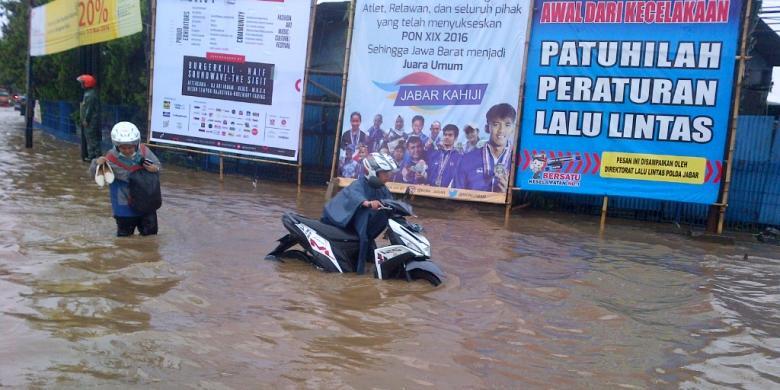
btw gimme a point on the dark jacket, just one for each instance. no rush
(90, 108)
(119, 190)
(340, 210)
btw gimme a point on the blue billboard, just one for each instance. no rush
(629, 98)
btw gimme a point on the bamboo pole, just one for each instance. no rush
(221, 169)
(603, 222)
(304, 88)
(520, 101)
(344, 78)
(152, 35)
(734, 114)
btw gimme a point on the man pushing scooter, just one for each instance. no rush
(357, 207)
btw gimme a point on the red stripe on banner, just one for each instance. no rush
(708, 175)
(587, 163)
(579, 163)
(598, 163)
(720, 172)
(527, 159)
(570, 164)
(224, 57)
(552, 154)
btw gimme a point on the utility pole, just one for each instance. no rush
(30, 103)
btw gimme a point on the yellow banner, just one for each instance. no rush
(439, 192)
(65, 24)
(653, 167)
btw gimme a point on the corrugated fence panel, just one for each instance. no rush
(754, 135)
(320, 120)
(748, 178)
(752, 173)
(770, 207)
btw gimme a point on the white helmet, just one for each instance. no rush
(378, 162)
(125, 133)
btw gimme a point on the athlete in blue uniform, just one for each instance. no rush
(487, 168)
(443, 163)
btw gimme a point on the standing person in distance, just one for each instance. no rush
(89, 118)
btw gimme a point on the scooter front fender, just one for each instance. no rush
(425, 265)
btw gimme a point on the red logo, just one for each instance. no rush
(224, 57)
(254, 131)
(319, 248)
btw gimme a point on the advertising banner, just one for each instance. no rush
(228, 75)
(66, 24)
(435, 85)
(629, 98)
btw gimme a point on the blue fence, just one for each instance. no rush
(319, 130)
(754, 199)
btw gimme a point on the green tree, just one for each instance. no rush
(13, 45)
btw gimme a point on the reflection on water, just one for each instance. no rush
(543, 303)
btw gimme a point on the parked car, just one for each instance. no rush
(20, 103)
(5, 99)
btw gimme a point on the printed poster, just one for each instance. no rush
(228, 75)
(65, 24)
(629, 98)
(435, 84)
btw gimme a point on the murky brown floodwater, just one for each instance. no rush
(543, 304)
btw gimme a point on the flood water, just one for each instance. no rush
(544, 303)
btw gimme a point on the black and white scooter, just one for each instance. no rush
(333, 249)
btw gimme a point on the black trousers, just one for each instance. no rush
(368, 225)
(146, 224)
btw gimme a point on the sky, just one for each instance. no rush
(773, 20)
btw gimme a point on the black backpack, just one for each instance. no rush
(145, 195)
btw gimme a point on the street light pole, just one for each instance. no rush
(30, 103)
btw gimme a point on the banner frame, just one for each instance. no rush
(729, 146)
(338, 182)
(520, 113)
(299, 162)
(342, 104)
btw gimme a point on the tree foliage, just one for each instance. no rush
(122, 69)
(13, 45)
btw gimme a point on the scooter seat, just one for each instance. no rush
(329, 232)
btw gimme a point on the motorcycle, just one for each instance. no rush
(333, 249)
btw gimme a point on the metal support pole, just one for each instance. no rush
(30, 104)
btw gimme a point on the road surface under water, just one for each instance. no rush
(544, 303)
